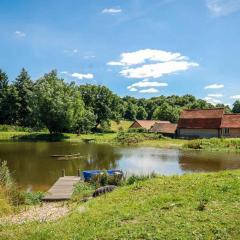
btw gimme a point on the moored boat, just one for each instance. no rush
(88, 174)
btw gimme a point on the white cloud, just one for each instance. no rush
(236, 97)
(142, 56)
(214, 86)
(112, 10)
(223, 7)
(216, 95)
(157, 70)
(212, 100)
(79, 75)
(113, 63)
(133, 89)
(149, 90)
(150, 63)
(82, 76)
(146, 83)
(20, 34)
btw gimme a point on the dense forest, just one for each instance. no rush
(52, 103)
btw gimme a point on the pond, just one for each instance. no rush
(34, 168)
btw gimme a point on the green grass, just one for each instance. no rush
(5, 207)
(214, 144)
(193, 206)
(11, 135)
(122, 125)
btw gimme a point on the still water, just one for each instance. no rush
(33, 167)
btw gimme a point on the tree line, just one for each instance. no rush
(52, 103)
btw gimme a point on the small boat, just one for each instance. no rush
(88, 174)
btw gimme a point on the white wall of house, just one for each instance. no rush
(198, 133)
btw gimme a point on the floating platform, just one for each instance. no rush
(62, 189)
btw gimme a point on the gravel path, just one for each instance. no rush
(45, 212)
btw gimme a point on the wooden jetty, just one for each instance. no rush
(62, 189)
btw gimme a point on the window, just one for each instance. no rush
(226, 131)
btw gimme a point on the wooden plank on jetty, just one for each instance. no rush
(62, 189)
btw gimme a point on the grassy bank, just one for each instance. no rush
(193, 206)
(9, 133)
(214, 144)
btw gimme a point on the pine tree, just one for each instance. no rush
(3, 84)
(24, 87)
(3, 95)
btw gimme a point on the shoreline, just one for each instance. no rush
(210, 145)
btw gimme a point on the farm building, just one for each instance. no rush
(166, 129)
(230, 126)
(146, 124)
(207, 123)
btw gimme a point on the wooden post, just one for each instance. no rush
(79, 172)
(63, 172)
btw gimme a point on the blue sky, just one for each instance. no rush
(142, 48)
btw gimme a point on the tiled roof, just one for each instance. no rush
(201, 119)
(202, 113)
(147, 124)
(231, 121)
(164, 128)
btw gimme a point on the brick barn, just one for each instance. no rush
(208, 123)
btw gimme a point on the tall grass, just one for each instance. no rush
(11, 196)
(214, 144)
(137, 136)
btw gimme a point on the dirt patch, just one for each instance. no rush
(42, 213)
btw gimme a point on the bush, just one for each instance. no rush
(104, 179)
(136, 137)
(15, 196)
(214, 144)
(33, 198)
(13, 128)
(82, 190)
(137, 178)
(5, 176)
(129, 138)
(137, 130)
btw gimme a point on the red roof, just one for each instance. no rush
(231, 121)
(147, 124)
(201, 118)
(164, 128)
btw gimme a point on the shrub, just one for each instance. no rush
(137, 130)
(129, 138)
(104, 179)
(12, 128)
(82, 190)
(33, 198)
(136, 137)
(137, 178)
(5, 176)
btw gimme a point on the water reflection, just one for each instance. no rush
(147, 160)
(208, 161)
(33, 166)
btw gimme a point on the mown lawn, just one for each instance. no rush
(193, 206)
